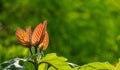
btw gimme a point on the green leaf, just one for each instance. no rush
(76, 68)
(51, 68)
(42, 66)
(97, 66)
(118, 65)
(56, 62)
(29, 66)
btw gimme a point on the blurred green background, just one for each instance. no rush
(81, 30)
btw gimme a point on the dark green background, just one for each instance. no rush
(81, 30)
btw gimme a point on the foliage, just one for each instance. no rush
(81, 30)
(53, 62)
(57, 62)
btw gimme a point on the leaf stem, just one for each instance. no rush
(49, 64)
(35, 50)
(30, 50)
(36, 66)
(31, 62)
(35, 60)
(34, 63)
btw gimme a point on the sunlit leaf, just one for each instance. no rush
(51, 68)
(97, 66)
(42, 66)
(56, 62)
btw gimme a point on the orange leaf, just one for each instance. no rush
(43, 32)
(45, 41)
(38, 34)
(23, 36)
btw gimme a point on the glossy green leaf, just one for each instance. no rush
(76, 68)
(42, 66)
(51, 68)
(97, 66)
(56, 62)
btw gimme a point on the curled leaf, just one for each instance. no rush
(45, 42)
